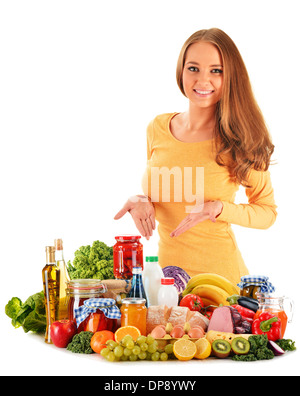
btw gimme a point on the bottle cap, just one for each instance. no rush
(137, 270)
(58, 243)
(123, 238)
(167, 281)
(151, 258)
(50, 254)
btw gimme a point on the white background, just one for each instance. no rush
(80, 80)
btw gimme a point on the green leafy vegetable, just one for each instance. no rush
(92, 262)
(31, 315)
(258, 350)
(81, 343)
(286, 345)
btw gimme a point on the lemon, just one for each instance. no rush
(184, 349)
(203, 348)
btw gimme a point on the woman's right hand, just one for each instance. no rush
(142, 212)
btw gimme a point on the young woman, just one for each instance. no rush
(222, 134)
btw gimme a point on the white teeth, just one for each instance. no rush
(203, 92)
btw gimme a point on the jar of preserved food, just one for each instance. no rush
(276, 306)
(80, 290)
(134, 313)
(252, 285)
(127, 253)
(98, 314)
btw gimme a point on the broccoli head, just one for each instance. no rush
(92, 262)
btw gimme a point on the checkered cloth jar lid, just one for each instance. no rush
(257, 280)
(106, 305)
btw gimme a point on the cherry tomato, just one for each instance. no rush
(98, 341)
(193, 302)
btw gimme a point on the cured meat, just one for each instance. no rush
(221, 320)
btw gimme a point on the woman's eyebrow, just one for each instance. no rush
(196, 63)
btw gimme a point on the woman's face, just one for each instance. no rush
(202, 75)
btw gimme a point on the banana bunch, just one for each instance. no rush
(214, 289)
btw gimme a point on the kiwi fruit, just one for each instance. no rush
(221, 348)
(240, 346)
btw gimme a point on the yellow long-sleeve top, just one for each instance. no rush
(208, 246)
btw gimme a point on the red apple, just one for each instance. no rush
(62, 332)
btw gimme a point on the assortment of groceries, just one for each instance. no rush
(111, 302)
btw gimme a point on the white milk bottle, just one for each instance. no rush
(168, 294)
(152, 275)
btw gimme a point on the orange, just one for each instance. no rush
(184, 349)
(203, 348)
(133, 331)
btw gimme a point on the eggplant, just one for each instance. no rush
(249, 303)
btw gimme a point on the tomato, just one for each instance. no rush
(193, 302)
(208, 314)
(98, 341)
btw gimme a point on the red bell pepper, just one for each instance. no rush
(269, 324)
(247, 314)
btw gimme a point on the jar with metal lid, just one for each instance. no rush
(134, 313)
(127, 254)
(80, 290)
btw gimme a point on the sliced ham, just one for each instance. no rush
(221, 320)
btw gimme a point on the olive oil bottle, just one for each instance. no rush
(50, 275)
(64, 278)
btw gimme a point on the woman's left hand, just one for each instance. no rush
(208, 211)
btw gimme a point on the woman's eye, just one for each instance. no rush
(217, 71)
(193, 69)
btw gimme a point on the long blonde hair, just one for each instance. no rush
(241, 131)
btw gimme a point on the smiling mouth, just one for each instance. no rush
(203, 93)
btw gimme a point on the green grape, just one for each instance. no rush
(141, 339)
(130, 344)
(124, 358)
(133, 358)
(148, 357)
(118, 351)
(155, 356)
(169, 349)
(125, 339)
(111, 356)
(144, 346)
(127, 352)
(105, 352)
(152, 348)
(163, 356)
(150, 340)
(111, 344)
(136, 350)
(142, 355)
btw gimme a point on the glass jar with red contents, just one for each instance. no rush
(127, 253)
(80, 290)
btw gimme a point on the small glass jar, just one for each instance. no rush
(276, 306)
(127, 253)
(134, 313)
(250, 291)
(79, 290)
